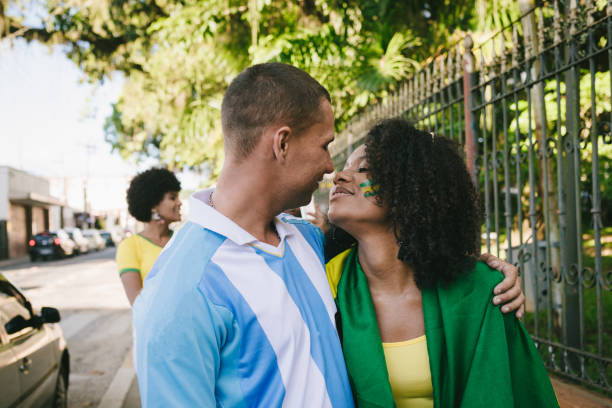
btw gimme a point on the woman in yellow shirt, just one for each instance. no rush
(152, 199)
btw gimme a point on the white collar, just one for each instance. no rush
(208, 217)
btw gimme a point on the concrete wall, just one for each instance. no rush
(22, 184)
(17, 220)
(60, 217)
(38, 220)
(17, 232)
(55, 218)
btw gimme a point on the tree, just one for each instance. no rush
(179, 56)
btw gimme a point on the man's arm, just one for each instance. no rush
(177, 353)
(509, 290)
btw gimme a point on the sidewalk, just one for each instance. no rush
(569, 396)
(5, 263)
(574, 396)
(121, 392)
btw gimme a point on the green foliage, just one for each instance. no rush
(178, 57)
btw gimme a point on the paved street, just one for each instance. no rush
(96, 319)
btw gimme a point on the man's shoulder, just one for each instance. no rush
(305, 228)
(185, 257)
(290, 219)
(178, 272)
(192, 242)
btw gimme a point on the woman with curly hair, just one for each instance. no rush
(153, 200)
(416, 316)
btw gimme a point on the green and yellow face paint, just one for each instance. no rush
(368, 189)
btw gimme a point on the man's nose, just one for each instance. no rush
(329, 167)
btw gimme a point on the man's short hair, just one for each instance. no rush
(264, 95)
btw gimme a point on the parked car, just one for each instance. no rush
(66, 243)
(50, 245)
(75, 234)
(108, 238)
(34, 359)
(96, 242)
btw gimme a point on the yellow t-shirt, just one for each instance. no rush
(409, 374)
(137, 254)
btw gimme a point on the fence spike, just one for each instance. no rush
(434, 75)
(422, 87)
(449, 66)
(417, 88)
(398, 98)
(409, 93)
(404, 96)
(442, 72)
(458, 61)
(414, 87)
(502, 43)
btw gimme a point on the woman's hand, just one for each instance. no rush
(509, 290)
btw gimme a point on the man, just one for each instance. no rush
(237, 310)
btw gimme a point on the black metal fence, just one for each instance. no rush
(531, 105)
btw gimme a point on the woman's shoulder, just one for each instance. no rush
(477, 280)
(486, 275)
(333, 269)
(128, 242)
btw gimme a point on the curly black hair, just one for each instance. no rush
(433, 204)
(147, 190)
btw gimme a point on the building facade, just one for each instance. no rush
(26, 208)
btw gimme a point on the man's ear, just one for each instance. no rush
(280, 142)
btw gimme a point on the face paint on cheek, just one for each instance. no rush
(368, 189)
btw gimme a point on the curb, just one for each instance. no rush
(14, 261)
(118, 390)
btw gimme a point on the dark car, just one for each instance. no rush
(34, 359)
(50, 245)
(108, 238)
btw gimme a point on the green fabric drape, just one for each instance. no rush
(478, 357)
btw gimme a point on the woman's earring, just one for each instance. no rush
(156, 216)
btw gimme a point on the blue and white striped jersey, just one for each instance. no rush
(227, 321)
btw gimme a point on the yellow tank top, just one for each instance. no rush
(409, 374)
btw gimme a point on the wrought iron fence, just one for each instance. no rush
(531, 105)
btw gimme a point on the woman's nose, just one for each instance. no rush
(340, 175)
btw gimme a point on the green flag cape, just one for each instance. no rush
(478, 357)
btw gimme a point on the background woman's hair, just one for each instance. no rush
(433, 204)
(147, 190)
